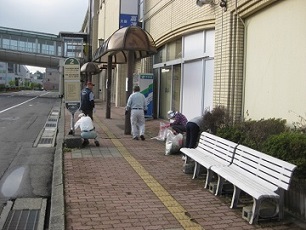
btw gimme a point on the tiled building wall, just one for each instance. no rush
(167, 20)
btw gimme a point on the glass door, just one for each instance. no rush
(176, 88)
(165, 92)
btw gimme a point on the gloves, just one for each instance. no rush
(145, 111)
(126, 112)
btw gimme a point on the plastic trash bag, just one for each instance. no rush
(163, 130)
(173, 143)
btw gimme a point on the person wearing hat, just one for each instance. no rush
(179, 123)
(88, 100)
(87, 129)
(137, 105)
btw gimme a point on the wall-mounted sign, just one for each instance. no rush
(127, 20)
(128, 13)
(145, 82)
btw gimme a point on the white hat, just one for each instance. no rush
(171, 114)
(81, 115)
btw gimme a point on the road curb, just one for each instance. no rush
(57, 209)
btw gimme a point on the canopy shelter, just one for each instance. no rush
(89, 69)
(124, 46)
(124, 40)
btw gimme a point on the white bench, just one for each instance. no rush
(211, 151)
(257, 174)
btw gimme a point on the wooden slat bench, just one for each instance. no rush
(211, 150)
(257, 174)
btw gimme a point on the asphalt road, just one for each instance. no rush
(25, 170)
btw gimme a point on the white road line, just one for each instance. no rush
(2, 111)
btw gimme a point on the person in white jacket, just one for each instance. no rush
(87, 129)
(137, 105)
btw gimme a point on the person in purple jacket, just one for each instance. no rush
(179, 123)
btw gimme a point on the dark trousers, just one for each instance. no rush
(88, 113)
(192, 135)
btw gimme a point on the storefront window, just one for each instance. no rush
(176, 87)
(160, 56)
(174, 50)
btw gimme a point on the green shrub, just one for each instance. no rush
(252, 133)
(270, 136)
(232, 133)
(257, 132)
(212, 120)
(291, 147)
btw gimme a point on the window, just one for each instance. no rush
(174, 50)
(140, 11)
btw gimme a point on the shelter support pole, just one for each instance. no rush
(109, 87)
(130, 66)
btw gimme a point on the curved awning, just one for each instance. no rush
(90, 68)
(118, 45)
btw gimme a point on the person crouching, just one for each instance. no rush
(87, 129)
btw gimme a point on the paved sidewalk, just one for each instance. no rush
(129, 184)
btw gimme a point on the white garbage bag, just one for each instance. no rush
(173, 143)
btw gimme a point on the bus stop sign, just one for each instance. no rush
(72, 79)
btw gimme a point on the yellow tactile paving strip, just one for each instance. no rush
(170, 203)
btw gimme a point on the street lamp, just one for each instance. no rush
(203, 2)
(222, 3)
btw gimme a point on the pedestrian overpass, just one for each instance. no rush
(42, 49)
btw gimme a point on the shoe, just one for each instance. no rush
(142, 137)
(97, 143)
(136, 138)
(85, 143)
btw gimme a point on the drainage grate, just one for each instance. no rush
(45, 140)
(22, 219)
(50, 125)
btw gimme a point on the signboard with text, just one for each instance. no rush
(128, 15)
(72, 79)
(127, 20)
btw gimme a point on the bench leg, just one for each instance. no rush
(196, 170)
(255, 211)
(280, 204)
(219, 185)
(208, 178)
(235, 197)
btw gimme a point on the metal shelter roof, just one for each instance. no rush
(118, 45)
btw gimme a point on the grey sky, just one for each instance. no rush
(48, 16)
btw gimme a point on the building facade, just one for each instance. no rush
(246, 56)
(51, 79)
(12, 75)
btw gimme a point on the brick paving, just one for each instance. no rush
(132, 185)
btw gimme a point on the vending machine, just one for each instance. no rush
(145, 82)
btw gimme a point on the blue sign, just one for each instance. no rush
(145, 81)
(126, 20)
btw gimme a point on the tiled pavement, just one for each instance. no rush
(129, 184)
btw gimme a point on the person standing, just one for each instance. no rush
(137, 105)
(88, 100)
(193, 128)
(179, 123)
